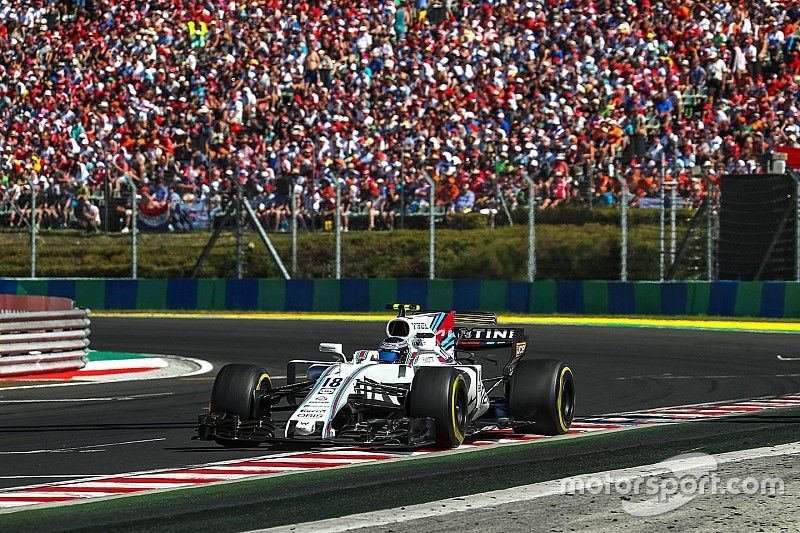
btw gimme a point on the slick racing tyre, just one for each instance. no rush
(541, 396)
(441, 393)
(233, 394)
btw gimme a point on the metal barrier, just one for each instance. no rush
(48, 341)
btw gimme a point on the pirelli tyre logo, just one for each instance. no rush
(489, 334)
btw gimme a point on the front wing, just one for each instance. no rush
(404, 432)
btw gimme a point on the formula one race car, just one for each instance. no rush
(421, 387)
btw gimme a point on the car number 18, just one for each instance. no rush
(331, 383)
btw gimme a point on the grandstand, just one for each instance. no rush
(186, 97)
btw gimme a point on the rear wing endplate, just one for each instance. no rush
(477, 339)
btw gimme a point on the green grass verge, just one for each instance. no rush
(585, 245)
(311, 496)
(115, 356)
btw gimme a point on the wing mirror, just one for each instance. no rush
(334, 348)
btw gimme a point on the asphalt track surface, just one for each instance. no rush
(143, 425)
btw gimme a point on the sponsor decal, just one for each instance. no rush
(326, 391)
(488, 334)
(444, 329)
(421, 326)
(320, 398)
(310, 413)
(521, 348)
(492, 334)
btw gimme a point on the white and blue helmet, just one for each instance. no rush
(393, 350)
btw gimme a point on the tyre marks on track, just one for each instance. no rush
(289, 463)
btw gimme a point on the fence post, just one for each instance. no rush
(662, 227)
(709, 231)
(33, 225)
(264, 238)
(623, 267)
(338, 227)
(431, 228)
(531, 228)
(402, 183)
(293, 199)
(673, 221)
(796, 179)
(134, 230)
(107, 199)
(239, 229)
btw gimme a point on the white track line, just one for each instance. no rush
(54, 476)
(515, 494)
(99, 399)
(628, 378)
(79, 448)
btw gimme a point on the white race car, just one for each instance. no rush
(421, 387)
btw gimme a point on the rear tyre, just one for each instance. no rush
(542, 396)
(441, 393)
(233, 394)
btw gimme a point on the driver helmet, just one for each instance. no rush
(393, 350)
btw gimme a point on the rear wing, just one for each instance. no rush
(462, 318)
(477, 318)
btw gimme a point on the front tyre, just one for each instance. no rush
(441, 393)
(542, 396)
(234, 394)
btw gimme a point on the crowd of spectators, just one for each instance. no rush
(184, 97)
